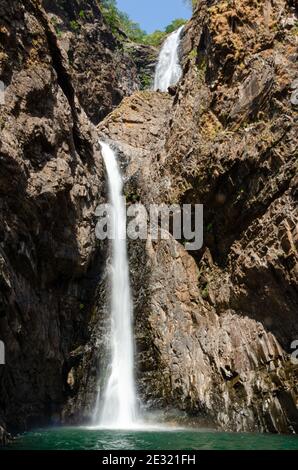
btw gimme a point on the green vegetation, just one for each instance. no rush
(145, 81)
(119, 21)
(131, 196)
(205, 292)
(156, 38)
(193, 54)
(82, 15)
(202, 67)
(175, 25)
(74, 25)
(54, 22)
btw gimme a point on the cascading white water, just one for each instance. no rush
(118, 407)
(168, 70)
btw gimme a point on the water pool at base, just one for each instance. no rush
(97, 439)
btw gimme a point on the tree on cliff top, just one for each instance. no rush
(120, 21)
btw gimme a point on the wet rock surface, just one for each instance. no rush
(145, 58)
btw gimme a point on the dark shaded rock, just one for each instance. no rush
(102, 71)
(145, 58)
(5, 437)
(172, 90)
(50, 182)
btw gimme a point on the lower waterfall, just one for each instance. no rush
(117, 406)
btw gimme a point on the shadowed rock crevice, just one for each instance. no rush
(114, 67)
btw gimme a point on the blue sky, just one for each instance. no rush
(154, 14)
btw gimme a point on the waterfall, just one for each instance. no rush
(117, 407)
(168, 70)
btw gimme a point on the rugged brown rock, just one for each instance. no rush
(102, 71)
(232, 145)
(50, 182)
(214, 328)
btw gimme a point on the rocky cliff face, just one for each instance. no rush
(50, 181)
(232, 146)
(102, 71)
(61, 69)
(214, 327)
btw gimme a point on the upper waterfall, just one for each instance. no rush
(118, 404)
(168, 70)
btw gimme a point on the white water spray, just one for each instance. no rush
(118, 409)
(168, 70)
